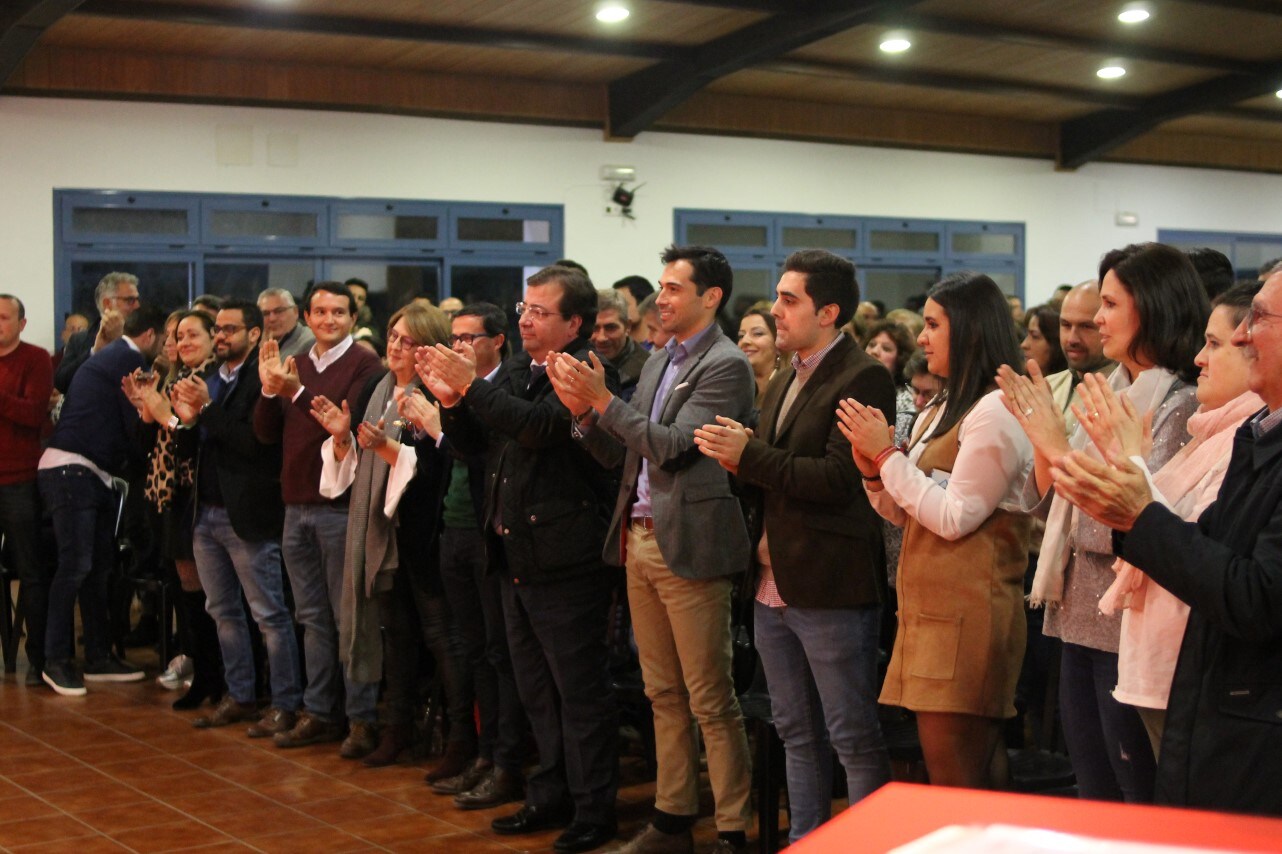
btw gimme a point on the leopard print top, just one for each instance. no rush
(167, 472)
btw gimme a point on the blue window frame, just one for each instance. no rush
(389, 225)
(112, 217)
(1247, 251)
(526, 228)
(264, 223)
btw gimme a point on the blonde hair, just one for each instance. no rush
(427, 324)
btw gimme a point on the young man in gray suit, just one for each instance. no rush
(678, 529)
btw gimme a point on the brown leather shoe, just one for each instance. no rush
(456, 759)
(394, 739)
(227, 712)
(361, 740)
(460, 783)
(308, 730)
(274, 720)
(498, 787)
(651, 840)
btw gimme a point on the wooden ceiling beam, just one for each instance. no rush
(637, 100)
(991, 31)
(1087, 138)
(22, 22)
(954, 82)
(771, 6)
(399, 30)
(1264, 7)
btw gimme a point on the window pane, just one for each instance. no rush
(503, 286)
(244, 279)
(391, 285)
(894, 285)
(1006, 281)
(387, 227)
(129, 221)
(820, 238)
(903, 241)
(983, 243)
(504, 230)
(1252, 254)
(163, 284)
(712, 234)
(263, 225)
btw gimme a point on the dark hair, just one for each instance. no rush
(915, 302)
(709, 269)
(764, 315)
(830, 279)
(1169, 300)
(205, 320)
(145, 318)
(916, 365)
(360, 283)
(22, 309)
(638, 286)
(338, 289)
(208, 301)
(493, 320)
(904, 344)
(1267, 267)
(1213, 268)
(578, 295)
(981, 338)
(573, 265)
(1238, 299)
(1047, 317)
(250, 313)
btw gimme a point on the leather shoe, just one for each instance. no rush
(470, 777)
(498, 787)
(308, 730)
(532, 819)
(228, 712)
(651, 840)
(584, 836)
(274, 720)
(360, 742)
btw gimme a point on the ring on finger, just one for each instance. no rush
(1028, 410)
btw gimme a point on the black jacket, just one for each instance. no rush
(552, 498)
(1222, 746)
(248, 471)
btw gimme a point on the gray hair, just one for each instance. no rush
(109, 284)
(611, 301)
(648, 305)
(277, 292)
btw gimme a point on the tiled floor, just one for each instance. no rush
(118, 770)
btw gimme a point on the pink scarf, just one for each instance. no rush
(1189, 482)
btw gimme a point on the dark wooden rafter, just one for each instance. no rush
(637, 100)
(1264, 7)
(1084, 139)
(340, 25)
(954, 82)
(22, 22)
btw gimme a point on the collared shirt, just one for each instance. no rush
(1266, 421)
(677, 355)
(767, 593)
(323, 360)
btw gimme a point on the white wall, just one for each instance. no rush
(49, 143)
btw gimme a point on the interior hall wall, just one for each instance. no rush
(48, 144)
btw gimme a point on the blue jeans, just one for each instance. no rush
(84, 523)
(314, 544)
(821, 668)
(227, 565)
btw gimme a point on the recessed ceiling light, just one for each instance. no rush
(1135, 13)
(612, 12)
(1278, 93)
(895, 42)
(1111, 72)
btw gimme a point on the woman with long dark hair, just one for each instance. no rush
(1041, 339)
(956, 491)
(1152, 314)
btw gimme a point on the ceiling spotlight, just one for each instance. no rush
(1278, 93)
(895, 42)
(1135, 13)
(612, 12)
(1111, 71)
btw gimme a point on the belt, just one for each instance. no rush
(646, 522)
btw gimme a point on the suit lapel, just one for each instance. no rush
(772, 401)
(834, 361)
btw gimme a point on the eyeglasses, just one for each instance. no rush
(537, 312)
(404, 342)
(468, 337)
(229, 329)
(1255, 314)
(133, 300)
(276, 312)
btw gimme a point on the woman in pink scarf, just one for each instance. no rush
(1153, 620)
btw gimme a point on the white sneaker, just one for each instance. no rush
(177, 675)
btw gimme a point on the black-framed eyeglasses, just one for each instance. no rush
(1254, 315)
(468, 338)
(404, 342)
(229, 329)
(133, 300)
(537, 312)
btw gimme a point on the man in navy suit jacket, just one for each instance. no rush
(93, 441)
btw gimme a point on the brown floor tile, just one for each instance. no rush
(84, 845)
(325, 839)
(313, 788)
(41, 782)
(112, 820)
(386, 779)
(263, 822)
(173, 836)
(422, 798)
(398, 828)
(460, 843)
(118, 750)
(39, 759)
(352, 808)
(150, 768)
(25, 807)
(220, 847)
(218, 758)
(31, 830)
(182, 784)
(96, 796)
(204, 805)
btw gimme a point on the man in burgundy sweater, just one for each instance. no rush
(316, 527)
(26, 381)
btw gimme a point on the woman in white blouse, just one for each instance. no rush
(397, 475)
(956, 491)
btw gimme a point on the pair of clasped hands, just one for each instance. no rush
(185, 399)
(446, 373)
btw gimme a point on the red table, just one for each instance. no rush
(901, 812)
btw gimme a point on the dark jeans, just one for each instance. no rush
(408, 612)
(83, 510)
(476, 602)
(1106, 739)
(20, 525)
(556, 632)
